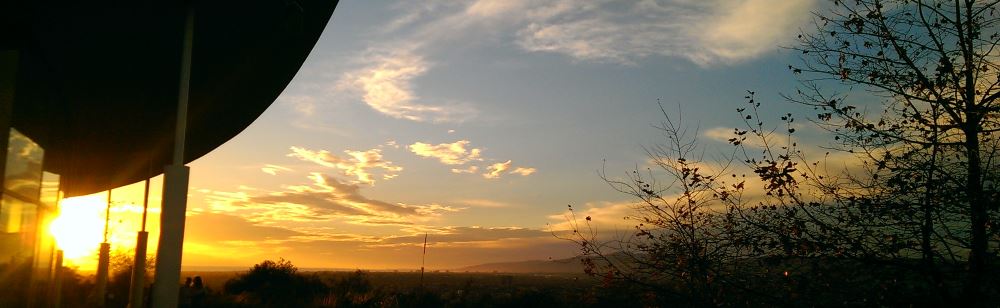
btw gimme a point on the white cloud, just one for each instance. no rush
(495, 170)
(750, 28)
(455, 153)
(357, 164)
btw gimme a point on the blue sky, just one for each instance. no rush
(405, 115)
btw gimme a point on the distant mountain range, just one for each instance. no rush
(570, 265)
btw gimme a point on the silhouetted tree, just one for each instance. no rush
(686, 246)
(934, 66)
(276, 284)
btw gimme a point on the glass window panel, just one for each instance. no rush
(23, 173)
(50, 189)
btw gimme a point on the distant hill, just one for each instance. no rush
(570, 265)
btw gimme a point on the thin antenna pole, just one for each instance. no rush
(145, 204)
(423, 259)
(107, 216)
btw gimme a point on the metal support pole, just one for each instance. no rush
(175, 185)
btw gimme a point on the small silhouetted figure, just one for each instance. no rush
(184, 298)
(198, 293)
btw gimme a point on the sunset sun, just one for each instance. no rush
(79, 227)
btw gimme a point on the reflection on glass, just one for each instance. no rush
(18, 222)
(24, 166)
(10, 215)
(50, 189)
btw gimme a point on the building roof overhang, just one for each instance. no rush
(97, 83)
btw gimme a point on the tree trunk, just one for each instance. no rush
(977, 211)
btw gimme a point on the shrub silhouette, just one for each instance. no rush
(276, 284)
(355, 290)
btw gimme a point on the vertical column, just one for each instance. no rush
(139, 262)
(103, 260)
(166, 285)
(138, 271)
(101, 289)
(55, 291)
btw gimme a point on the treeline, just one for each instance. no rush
(280, 284)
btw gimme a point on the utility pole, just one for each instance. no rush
(423, 260)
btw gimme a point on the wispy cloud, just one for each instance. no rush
(524, 171)
(705, 32)
(455, 153)
(385, 83)
(482, 203)
(357, 164)
(469, 234)
(470, 169)
(323, 198)
(273, 169)
(304, 105)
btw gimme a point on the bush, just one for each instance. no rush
(276, 284)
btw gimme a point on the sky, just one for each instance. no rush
(475, 122)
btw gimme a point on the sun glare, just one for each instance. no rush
(79, 228)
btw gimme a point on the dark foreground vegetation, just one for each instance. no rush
(281, 284)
